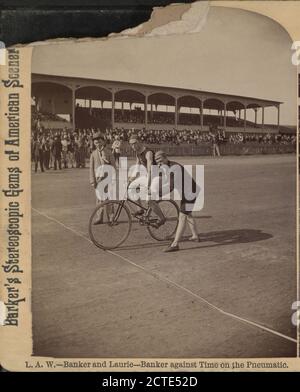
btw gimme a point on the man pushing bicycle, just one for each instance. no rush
(144, 161)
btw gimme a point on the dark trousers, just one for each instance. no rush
(57, 160)
(47, 159)
(117, 157)
(82, 155)
(77, 158)
(37, 160)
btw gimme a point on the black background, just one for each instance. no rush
(28, 21)
(90, 382)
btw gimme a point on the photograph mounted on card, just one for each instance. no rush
(149, 201)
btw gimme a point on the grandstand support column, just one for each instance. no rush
(225, 112)
(52, 106)
(263, 117)
(113, 109)
(146, 111)
(278, 117)
(245, 118)
(255, 111)
(176, 113)
(73, 108)
(201, 115)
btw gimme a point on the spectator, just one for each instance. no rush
(116, 149)
(56, 151)
(38, 153)
(47, 153)
(64, 144)
(214, 135)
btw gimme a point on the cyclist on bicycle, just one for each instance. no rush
(144, 158)
(186, 201)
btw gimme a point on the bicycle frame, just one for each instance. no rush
(129, 201)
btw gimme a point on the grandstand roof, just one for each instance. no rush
(161, 95)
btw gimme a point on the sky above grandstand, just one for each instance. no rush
(237, 52)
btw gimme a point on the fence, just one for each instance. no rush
(225, 149)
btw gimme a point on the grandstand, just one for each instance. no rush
(91, 103)
(47, 120)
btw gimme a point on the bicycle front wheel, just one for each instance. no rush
(109, 224)
(167, 231)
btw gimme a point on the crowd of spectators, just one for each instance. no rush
(268, 138)
(57, 148)
(197, 137)
(134, 116)
(137, 116)
(54, 149)
(37, 117)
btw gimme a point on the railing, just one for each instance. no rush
(205, 128)
(205, 149)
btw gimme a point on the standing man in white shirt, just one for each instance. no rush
(99, 157)
(116, 149)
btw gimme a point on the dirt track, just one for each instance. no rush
(90, 303)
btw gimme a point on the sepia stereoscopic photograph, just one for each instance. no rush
(163, 191)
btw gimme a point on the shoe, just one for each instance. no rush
(159, 223)
(195, 239)
(138, 213)
(98, 221)
(171, 249)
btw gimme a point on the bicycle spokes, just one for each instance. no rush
(114, 227)
(167, 230)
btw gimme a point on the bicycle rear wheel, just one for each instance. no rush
(167, 231)
(115, 226)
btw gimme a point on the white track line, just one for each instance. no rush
(172, 283)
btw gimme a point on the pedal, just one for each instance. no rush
(153, 220)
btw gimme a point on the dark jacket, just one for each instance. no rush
(57, 148)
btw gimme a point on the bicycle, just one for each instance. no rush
(118, 219)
